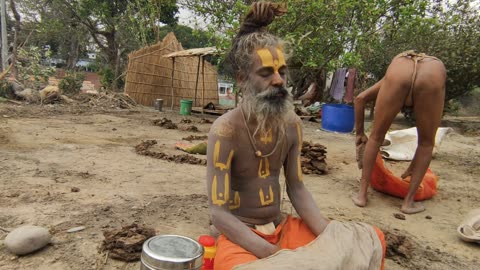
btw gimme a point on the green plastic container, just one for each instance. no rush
(186, 107)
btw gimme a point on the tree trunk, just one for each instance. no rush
(116, 76)
(15, 38)
(112, 55)
(4, 35)
(73, 53)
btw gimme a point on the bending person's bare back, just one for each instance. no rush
(412, 80)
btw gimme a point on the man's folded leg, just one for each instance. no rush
(381, 237)
(230, 254)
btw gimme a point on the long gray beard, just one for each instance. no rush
(270, 111)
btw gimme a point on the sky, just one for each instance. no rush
(186, 17)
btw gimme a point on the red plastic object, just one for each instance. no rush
(384, 181)
(208, 243)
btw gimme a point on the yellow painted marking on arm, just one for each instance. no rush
(299, 169)
(264, 168)
(216, 155)
(217, 196)
(235, 203)
(266, 201)
(300, 143)
(299, 135)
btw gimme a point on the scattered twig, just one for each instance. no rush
(14, 101)
(106, 257)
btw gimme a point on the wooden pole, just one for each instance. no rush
(203, 87)
(196, 82)
(173, 74)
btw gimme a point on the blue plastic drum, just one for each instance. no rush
(338, 118)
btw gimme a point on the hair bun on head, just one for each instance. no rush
(261, 14)
(252, 33)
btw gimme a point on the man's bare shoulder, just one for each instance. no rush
(226, 124)
(293, 120)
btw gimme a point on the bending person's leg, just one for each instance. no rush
(389, 102)
(428, 102)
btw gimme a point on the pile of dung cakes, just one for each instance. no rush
(313, 158)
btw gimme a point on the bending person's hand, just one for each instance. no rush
(360, 143)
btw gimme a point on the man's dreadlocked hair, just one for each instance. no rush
(253, 35)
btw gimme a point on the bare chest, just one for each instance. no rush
(248, 164)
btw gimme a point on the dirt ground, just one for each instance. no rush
(64, 167)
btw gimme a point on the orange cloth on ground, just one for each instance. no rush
(291, 234)
(384, 181)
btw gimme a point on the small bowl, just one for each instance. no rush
(171, 252)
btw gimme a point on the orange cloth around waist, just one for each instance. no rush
(290, 234)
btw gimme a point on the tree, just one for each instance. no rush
(3, 15)
(320, 41)
(449, 31)
(109, 23)
(327, 34)
(189, 37)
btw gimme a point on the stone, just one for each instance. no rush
(27, 239)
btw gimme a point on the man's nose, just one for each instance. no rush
(277, 80)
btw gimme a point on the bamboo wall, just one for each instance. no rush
(149, 76)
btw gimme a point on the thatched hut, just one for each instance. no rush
(151, 75)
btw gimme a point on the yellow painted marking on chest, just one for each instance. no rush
(266, 137)
(268, 199)
(268, 61)
(235, 203)
(216, 155)
(220, 198)
(264, 168)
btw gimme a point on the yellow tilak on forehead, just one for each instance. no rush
(268, 60)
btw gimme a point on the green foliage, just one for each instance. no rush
(189, 37)
(107, 76)
(324, 34)
(449, 31)
(223, 17)
(452, 107)
(143, 18)
(94, 67)
(30, 72)
(6, 89)
(72, 83)
(327, 34)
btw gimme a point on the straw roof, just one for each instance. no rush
(149, 76)
(193, 52)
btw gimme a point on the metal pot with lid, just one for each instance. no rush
(167, 252)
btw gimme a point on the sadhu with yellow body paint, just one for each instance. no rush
(248, 147)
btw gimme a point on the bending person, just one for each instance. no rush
(412, 80)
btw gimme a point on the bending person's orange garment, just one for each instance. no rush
(291, 234)
(384, 181)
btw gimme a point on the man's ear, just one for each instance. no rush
(240, 78)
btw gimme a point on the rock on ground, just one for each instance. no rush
(27, 239)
